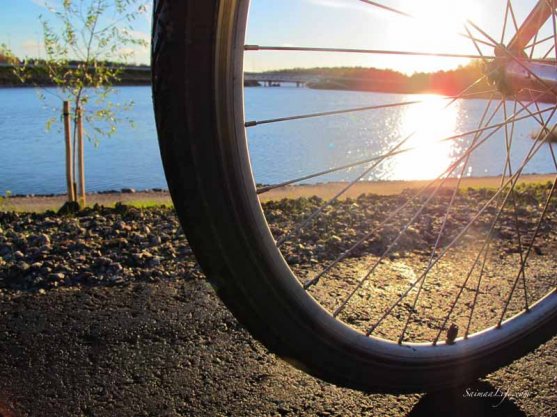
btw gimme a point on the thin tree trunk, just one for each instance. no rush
(69, 156)
(80, 156)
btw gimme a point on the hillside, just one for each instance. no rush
(131, 75)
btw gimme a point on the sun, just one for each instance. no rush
(436, 26)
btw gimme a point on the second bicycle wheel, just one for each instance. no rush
(399, 278)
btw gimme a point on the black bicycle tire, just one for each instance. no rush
(228, 241)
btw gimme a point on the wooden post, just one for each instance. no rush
(80, 157)
(68, 135)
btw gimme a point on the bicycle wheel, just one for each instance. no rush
(383, 313)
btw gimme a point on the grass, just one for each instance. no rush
(146, 203)
(529, 185)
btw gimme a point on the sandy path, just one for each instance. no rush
(325, 191)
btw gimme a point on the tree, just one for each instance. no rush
(87, 45)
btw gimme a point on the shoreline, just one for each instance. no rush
(161, 197)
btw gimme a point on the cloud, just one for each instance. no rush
(47, 4)
(137, 53)
(337, 4)
(344, 4)
(31, 48)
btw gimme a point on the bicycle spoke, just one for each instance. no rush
(531, 153)
(533, 48)
(392, 152)
(376, 264)
(485, 249)
(512, 180)
(376, 52)
(472, 38)
(508, 166)
(317, 212)
(445, 218)
(331, 113)
(549, 51)
(513, 17)
(382, 6)
(488, 37)
(442, 177)
(505, 20)
(446, 175)
(361, 51)
(546, 131)
(554, 25)
(539, 42)
(254, 123)
(496, 126)
(530, 246)
(476, 44)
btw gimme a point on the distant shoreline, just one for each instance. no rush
(12, 86)
(128, 77)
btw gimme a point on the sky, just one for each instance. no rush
(319, 23)
(21, 30)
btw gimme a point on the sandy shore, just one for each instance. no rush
(325, 191)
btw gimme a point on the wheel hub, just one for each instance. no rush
(513, 71)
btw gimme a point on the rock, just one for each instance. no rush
(293, 259)
(128, 191)
(155, 240)
(23, 266)
(41, 240)
(146, 255)
(121, 225)
(44, 249)
(6, 249)
(46, 270)
(154, 261)
(58, 276)
(116, 266)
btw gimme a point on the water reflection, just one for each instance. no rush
(428, 122)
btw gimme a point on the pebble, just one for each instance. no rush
(23, 266)
(154, 261)
(58, 276)
(155, 240)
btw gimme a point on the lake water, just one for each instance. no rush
(32, 160)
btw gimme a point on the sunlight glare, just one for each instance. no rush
(430, 121)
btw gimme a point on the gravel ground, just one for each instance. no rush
(107, 313)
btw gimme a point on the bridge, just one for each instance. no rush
(271, 79)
